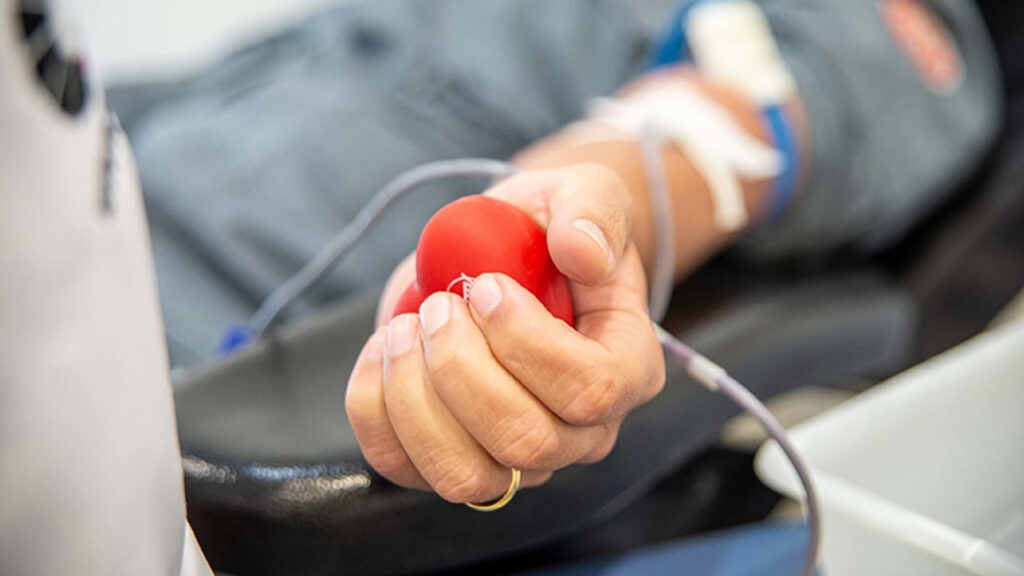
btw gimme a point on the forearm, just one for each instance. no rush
(697, 237)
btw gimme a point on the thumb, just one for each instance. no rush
(589, 216)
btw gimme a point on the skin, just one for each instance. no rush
(449, 399)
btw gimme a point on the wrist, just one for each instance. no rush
(697, 236)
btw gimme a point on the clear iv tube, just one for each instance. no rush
(328, 257)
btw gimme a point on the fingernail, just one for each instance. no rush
(434, 313)
(401, 334)
(484, 295)
(595, 234)
(375, 347)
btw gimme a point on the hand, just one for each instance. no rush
(449, 399)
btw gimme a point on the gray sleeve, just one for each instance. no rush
(885, 147)
(256, 163)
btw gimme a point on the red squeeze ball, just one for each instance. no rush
(479, 234)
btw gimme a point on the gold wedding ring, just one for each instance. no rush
(505, 498)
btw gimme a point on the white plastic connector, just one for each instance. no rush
(732, 43)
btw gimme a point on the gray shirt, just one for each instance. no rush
(253, 165)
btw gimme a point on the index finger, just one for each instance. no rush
(589, 377)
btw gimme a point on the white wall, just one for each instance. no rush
(153, 39)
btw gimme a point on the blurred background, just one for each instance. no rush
(165, 39)
(274, 479)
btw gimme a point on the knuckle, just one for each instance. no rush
(603, 448)
(596, 398)
(460, 483)
(446, 367)
(444, 361)
(357, 407)
(390, 463)
(656, 382)
(528, 445)
(652, 377)
(537, 479)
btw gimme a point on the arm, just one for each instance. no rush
(696, 236)
(884, 150)
(449, 399)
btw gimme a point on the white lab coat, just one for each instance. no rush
(90, 470)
